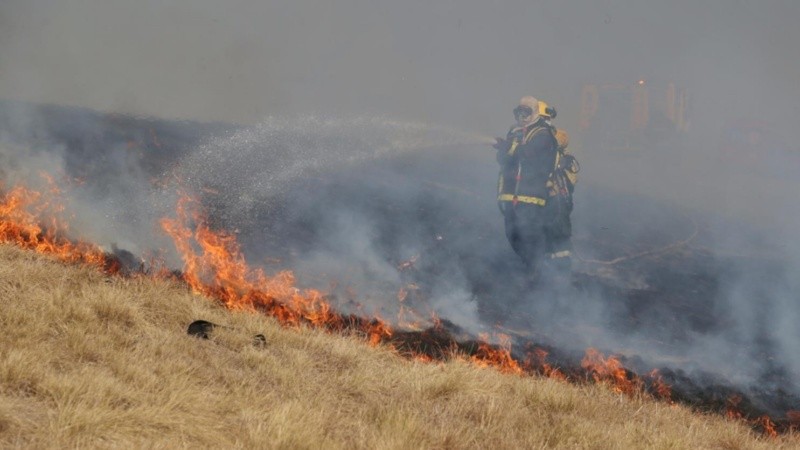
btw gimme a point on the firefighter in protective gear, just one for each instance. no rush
(535, 190)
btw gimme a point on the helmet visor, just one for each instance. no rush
(522, 112)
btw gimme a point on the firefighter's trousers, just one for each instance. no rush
(541, 233)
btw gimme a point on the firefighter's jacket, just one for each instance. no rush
(527, 163)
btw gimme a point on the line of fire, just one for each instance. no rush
(661, 275)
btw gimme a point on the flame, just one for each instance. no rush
(765, 423)
(732, 407)
(661, 389)
(404, 311)
(423, 358)
(498, 357)
(215, 266)
(409, 318)
(538, 359)
(33, 220)
(767, 426)
(610, 371)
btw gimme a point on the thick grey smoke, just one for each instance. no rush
(360, 194)
(111, 198)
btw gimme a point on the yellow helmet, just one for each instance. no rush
(546, 111)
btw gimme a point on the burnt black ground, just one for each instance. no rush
(435, 208)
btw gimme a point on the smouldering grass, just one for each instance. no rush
(88, 361)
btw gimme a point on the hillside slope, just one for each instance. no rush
(91, 361)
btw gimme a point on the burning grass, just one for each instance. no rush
(88, 360)
(215, 267)
(34, 220)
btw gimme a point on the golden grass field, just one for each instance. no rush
(88, 361)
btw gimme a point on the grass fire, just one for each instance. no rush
(321, 225)
(104, 359)
(215, 268)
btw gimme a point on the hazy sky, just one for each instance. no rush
(451, 62)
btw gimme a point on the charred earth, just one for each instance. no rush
(410, 232)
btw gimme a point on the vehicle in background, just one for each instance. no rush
(632, 117)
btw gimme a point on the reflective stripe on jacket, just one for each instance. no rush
(528, 165)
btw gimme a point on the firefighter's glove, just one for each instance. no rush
(501, 144)
(502, 147)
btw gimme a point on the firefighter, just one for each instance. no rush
(561, 185)
(534, 190)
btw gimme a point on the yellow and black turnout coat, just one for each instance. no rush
(527, 162)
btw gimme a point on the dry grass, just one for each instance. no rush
(88, 361)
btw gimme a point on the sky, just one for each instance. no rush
(449, 62)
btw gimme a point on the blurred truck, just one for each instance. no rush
(632, 117)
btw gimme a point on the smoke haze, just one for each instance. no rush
(450, 62)
(349, 137)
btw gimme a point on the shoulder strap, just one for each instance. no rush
(539, 128)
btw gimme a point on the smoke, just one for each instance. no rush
(258, 164)
(351, 150)
(339, 195)
(110, 196)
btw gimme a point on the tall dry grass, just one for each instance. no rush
(88, 361)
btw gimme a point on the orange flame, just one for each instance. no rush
(423, 358)
(662, 390)
(497, 357)
(767, 426)
(732, 407)
(610, 371)
(33, 220)
(538, 358)
(733, 412)
(214, 266)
